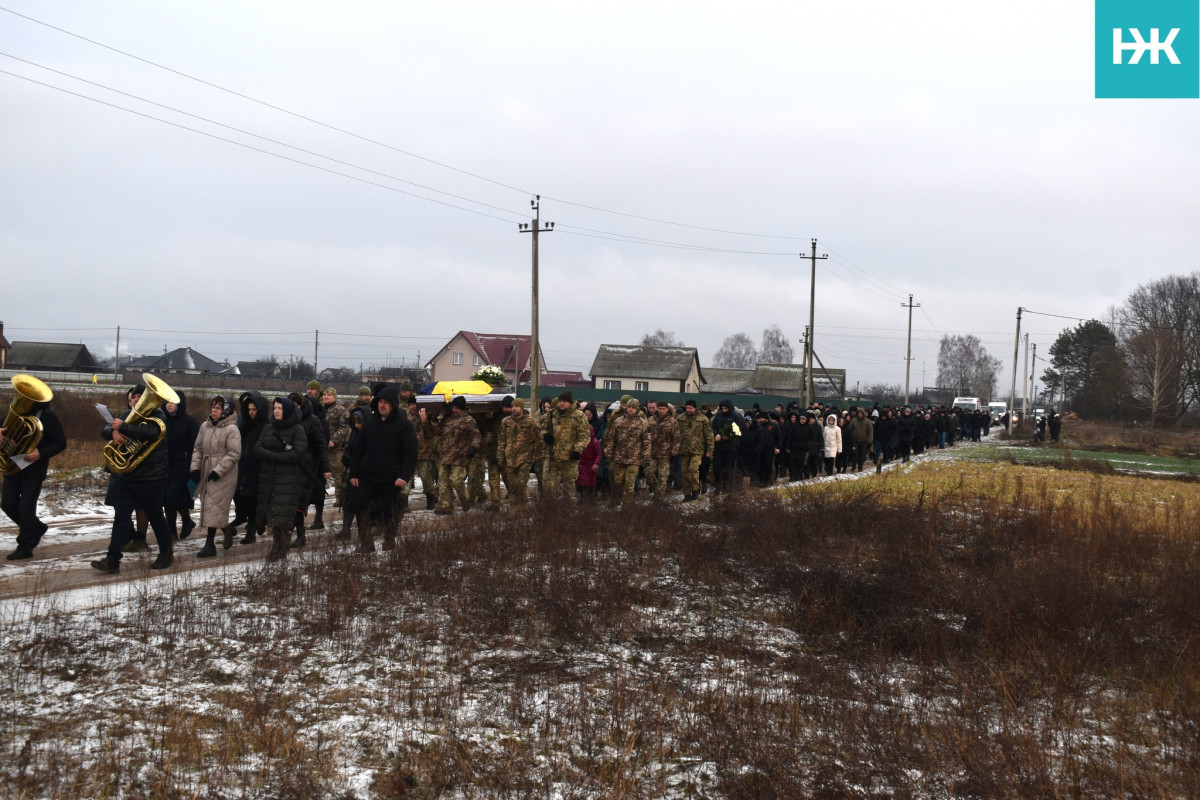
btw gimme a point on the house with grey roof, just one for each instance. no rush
(777, 380)
(639, 368)
(50, 357)
(181, 361)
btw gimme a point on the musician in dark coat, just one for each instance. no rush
(21, 491)
(282, 450)
(142, 487)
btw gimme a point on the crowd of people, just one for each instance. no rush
(270, 461)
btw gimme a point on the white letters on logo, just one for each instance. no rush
(1140, 46)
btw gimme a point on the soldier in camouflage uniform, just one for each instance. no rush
(566, 437)
(337, 418)
(362, 401)
(520, 444)
(627, 446)
(459, 441)
(426, 429)
(489, 431)
(696, 442)
(664, 445)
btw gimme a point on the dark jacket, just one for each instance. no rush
(182, 428)
(53, 442)
(154, 468)
(318, 440)
(389, 447)
(906, 427)
(249, 466)
(722, 419)
(282, 450)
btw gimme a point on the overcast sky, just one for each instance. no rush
(950, 150)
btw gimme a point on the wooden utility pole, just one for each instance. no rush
(1013, 396)
(812, 302)
(908, 355)
(1025, 383)
(535, 227)
(316, 349)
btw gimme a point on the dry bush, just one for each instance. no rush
(999, 638)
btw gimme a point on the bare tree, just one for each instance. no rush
(736, 352)
(776, 349)
(661, 338)
(1160, 334)
(965, 365)
(883, 392)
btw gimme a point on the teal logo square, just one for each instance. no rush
(1148, 48)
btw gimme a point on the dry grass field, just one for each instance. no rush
(946, 629)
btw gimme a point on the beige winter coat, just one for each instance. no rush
(217, 449)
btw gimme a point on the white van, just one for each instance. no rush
(997, 410)
(971, 403)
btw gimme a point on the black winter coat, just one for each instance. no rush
(282, 451)
(154, 468)
(387, 448)
(249, 466)
(906, 427)
(53, 442)
(182, 429)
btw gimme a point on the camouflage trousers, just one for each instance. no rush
(563, 473)
(339, 471)
(452, 480)
(624, 478)
(516, 480)
(689, 466)
(427, 471)
(658, 475)
(475, 484)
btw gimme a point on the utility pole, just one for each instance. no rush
(812, 302)
(534, 227)
(316, 349)
(1032, 372)
(908, 356)
(117, 358)
(1024, 382)
(1013, 396)
(804, 360)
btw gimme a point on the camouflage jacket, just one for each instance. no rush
(459, 434)
(695, 435)
(570, 429)
(338, 419)
(427, 431)
(664, 436)
(520, 441)
(628, 440)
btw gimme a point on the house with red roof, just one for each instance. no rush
(467, 351)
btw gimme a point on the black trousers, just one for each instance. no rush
(126, 495)
(723, 459)
(19, 501)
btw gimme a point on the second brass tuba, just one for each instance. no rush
(125, 458)
(22, 430)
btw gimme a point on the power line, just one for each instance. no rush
(258, 149)
(387, 146)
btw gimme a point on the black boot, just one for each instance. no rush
(210, 548)
(185, 530)
(279, 545)
(227, 537)
(164, 560)
(299, 541)
(347, 521)
(319, 521)
(251, 534)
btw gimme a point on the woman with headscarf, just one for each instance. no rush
(282, 450)
(214, 470)
(181, 437)
(254, 414)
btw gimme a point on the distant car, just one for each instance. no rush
(997, 410)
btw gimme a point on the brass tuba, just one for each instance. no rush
(125, 458)
(22, 430)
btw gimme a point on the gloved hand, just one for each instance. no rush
(548, 438)
(213, 476)
(194, 475)
(574, 456)
(470, 452)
